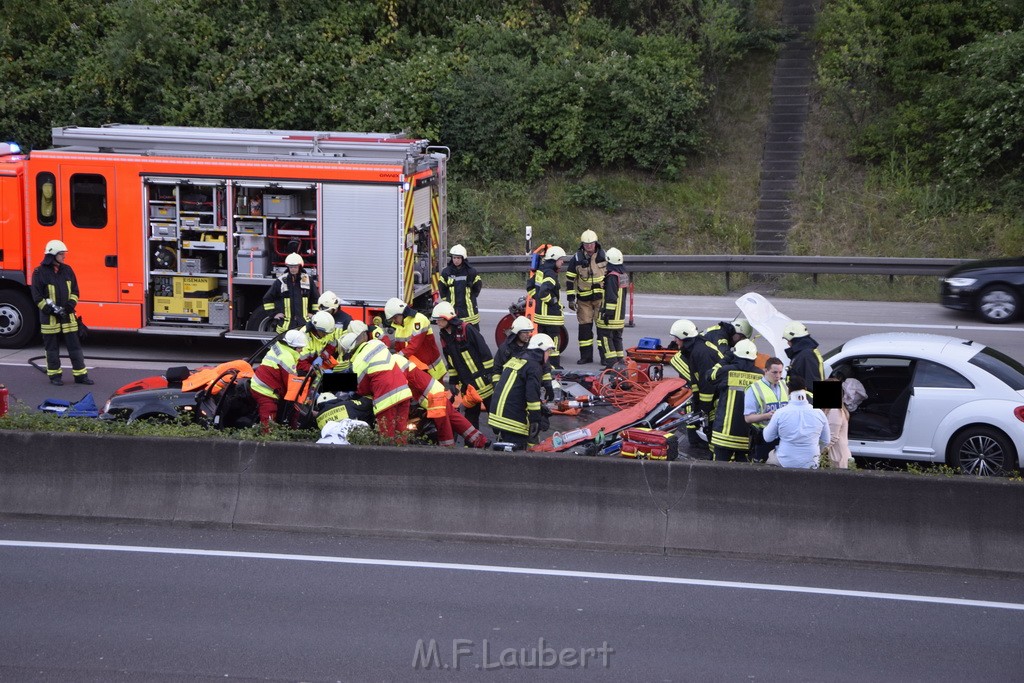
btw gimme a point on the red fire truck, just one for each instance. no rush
(179, 230)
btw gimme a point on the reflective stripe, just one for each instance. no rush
(393, 397)
(259, 387)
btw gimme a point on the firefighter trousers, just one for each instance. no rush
(586, 314)
(51, 344)
(609, 345)
(555, 332)
(392, 421)
(460, 425)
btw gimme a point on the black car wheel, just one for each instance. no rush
(982, 451)
(998, 304)
(19, 319)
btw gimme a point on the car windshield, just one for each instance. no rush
(1001, 366)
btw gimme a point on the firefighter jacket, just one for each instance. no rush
(545, 292)
(469, 358)
(354, 408)
(460, 286)
(516, 402)
(613, 313)
(721, 336)
(730, 382)
(341, 322)
(761, 399)
(295, 297)
(584, 275)
(512, 348)
(414, 338)
(421, 384)
(271, 376)
(379, 376)
(694, 363)
(57, 282)
(805, 361)
(324, 347)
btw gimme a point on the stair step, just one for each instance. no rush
(763, 215)
(791, 127)
(780, 175)
(795, 140)
(780, 164)
(777, 186)
(791, 90)
(776, 195)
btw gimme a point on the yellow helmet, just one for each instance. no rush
(743, 326)
(588, 237)
(794, 330)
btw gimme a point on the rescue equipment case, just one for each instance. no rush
(644, 443)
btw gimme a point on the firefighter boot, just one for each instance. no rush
(56, 380)
(83, 379)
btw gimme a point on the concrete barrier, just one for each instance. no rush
(530, 498)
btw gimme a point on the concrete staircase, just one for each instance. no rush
(784, 140)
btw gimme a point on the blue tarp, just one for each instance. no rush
(85, 407)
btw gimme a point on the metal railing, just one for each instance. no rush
(728, 264)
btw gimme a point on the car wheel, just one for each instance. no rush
(261, 320)
(998, 304)
(982, 451)
(19, 319)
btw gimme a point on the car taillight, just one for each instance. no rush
(1018, 413)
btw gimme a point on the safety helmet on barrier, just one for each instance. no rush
(392, 307)
(614, 256)
(795, 330)
(55, 247)
(541, 341)
(588, 237)
(459, 250)
(521, 324)
(323, 322)
(745, 349)
(296, 339)
(293, 260)
(443, 310)
(554, 253)
(683, 329)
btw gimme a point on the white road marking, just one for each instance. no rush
(530, 571)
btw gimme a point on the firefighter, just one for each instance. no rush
(730, 437)
(516, 414)
(805, 360)
(346, 406)
(460, 286)
(292, 297)
(612, 317)
(322, 343)
(269, 384)
(330, 302)
(545, 291)
(693, 362)
(725, 335)
(432, 397)
(380, 378)
(584, 290)
(469, 360)
(513, 347)
(413, 337)
(55, 292)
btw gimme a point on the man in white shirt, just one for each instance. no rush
(802, 431)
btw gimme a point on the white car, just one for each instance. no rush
(933, 398)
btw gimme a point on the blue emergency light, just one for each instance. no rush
(9, 149)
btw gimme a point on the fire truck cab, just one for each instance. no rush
(181, 231)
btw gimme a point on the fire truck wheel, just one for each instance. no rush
(260, 321)
(563, 339)
(19, 319)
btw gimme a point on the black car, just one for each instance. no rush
(993, 288)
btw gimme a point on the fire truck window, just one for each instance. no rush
(88, 200)
(46, 201)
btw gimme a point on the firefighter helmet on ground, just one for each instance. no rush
(293, 260)
(325, 397)
(614, 256)
(394, 306)
(743, 327)
(794, 330)
(745, 349)
(521, 324)
(296, 339)
(588, 237)
(323, 322)
(554, 253)
(443, 310)
(55, 247)
(541, 341)
(329, 301)
(459, 250)
(683, 329)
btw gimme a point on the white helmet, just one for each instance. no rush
(348, 342)
(794, 330)
(357, 327)
(394, 306)
(55, 247)
(296, 339)
(614, 256)
(521, 324)
(683, 329)
(325, 397)
(323, 322)
(745, 349)
(459, 250)
(443, 310)
(541, 341)
(329, 301)
(743, 326)
(554, 253)
(293, 260)
(588, 236)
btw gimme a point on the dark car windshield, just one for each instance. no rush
(1001, 366)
